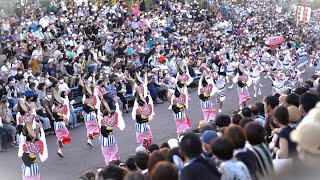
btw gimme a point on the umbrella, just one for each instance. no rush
(275, 40)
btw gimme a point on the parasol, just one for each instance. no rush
(275, 40)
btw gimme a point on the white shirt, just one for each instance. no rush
(44, 22)
(63, 87)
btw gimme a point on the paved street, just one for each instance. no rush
(78, 157)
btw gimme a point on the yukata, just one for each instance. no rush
(60, 128)
(209, 113)
(108, 142)
(243, 91)
(142, 115)
(181, 120)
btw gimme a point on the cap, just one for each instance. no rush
(307, 131)
(208, 136)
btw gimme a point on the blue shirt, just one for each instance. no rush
(29, 92)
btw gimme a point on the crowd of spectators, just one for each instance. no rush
(67, 45)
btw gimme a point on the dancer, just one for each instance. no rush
(278, 80)
(24, 114)
(206, 90)
(90, 101)
(139, 85)
(255, 71)
(184, 78)
(230, 68)
(60, 111)
(179, 101)
(220, 82)
(142, 113)
(108, 119)
(243, 83)
(30, 145)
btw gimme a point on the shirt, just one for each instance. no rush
(63, 87)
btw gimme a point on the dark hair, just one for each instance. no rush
(134, 176)
(246, 112)
(255, 133)
(172, 152)
(260, 107)
(164, 145)
(222, 148)
(130, 164)
(191, 145)
(255, 110)
(281, 115)
(141, 160)
(222, 120)
(205, 128)
(31, 85)
(300, 90)
(236, 118)
(308, 101)
(112, 172)
(153, 147)
(245, 121)
(164, 170)
(237, 136)
(88, 175)
(272, 101)
(155, 157)
(293, 99)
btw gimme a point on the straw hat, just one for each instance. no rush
(104, 106)
(138, 78)
(22, 106)
(88, 89)
(28, 130)
(56, 96)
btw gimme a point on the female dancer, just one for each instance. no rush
(220, 82)
(60, 111)
(108, 119)
(243, 91)
(31, 145)
(206, 90)
(255, 71)
(90, 102)
(179, 101)
(142, 113)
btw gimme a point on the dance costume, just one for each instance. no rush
(206, 90)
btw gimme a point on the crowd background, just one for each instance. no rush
(67, 45)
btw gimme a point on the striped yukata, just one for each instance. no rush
(180, 118)
(243, 92)
(32, 171)
(221, 92)
(91, 123)
(209, 113)
(108, 144)
(143, 131)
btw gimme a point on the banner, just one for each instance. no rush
(307, 14)
(300, 13)
(303, 13)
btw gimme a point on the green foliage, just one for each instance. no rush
(316, 4)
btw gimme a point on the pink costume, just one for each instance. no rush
(60, 128)
(182, 121)
(90, 118)
(243, 91)
(209, 113)
(109, 146)
(142, 117)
